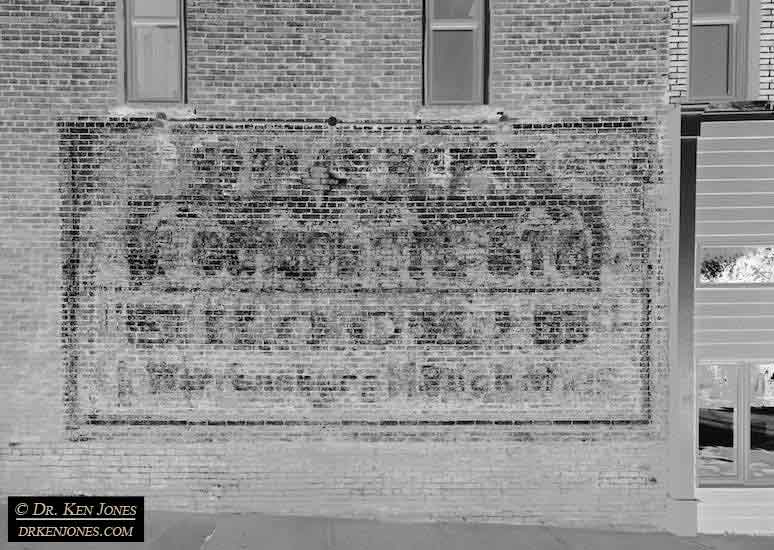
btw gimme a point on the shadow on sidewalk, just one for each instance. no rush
(184, 531)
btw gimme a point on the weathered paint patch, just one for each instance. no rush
(421, 275)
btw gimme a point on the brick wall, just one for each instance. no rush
(581, 156)
(548, 60)
(454, 269)
(678, 49)
(58, 60)
(767, 49)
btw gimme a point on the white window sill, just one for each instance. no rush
(427, 113)
(169, 110)
(460, 113)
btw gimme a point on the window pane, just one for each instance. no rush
(453, 66)
(709, 60)
(156, 63)
(454, 9)
(717, 403)
(705, 7)
(762, 423)
(155, 8)
(737, 264)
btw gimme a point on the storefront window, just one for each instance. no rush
(761, 463)
(737, 265)
(717, 401)
(736, 423)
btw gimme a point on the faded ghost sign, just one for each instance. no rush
(223, 278)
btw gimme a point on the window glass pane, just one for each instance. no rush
(454, 9)
(156, 63)
(762, 422)
(709, 60)
(737, 264)
(717, 403)
(155, 8)
(453, 67)
(715, 7)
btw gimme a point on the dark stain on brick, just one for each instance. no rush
(162, 376)
(402, 236)
(209, 252)
(560, 327)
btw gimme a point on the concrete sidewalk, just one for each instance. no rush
(180, 531)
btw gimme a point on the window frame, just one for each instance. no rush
(744, 30)
(480, 29)
(742, 432)
(127, 23)
(706, 243)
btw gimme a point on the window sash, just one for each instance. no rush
(135, 92)
(731, 62)
(736, 69)
(474, 25)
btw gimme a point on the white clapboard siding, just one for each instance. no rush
(713, 172)
(724, 351)
(733, 309)
(733, 200)
(735, 206)
(733, 323)
(738, 336)
(741, 128)
(736, 158)
(740, 144)
(715, 228)
(736, 213)
(731, 294)
(733, 186)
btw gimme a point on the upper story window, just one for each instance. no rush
(155, 61)
(455, 51)
(719, 50)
